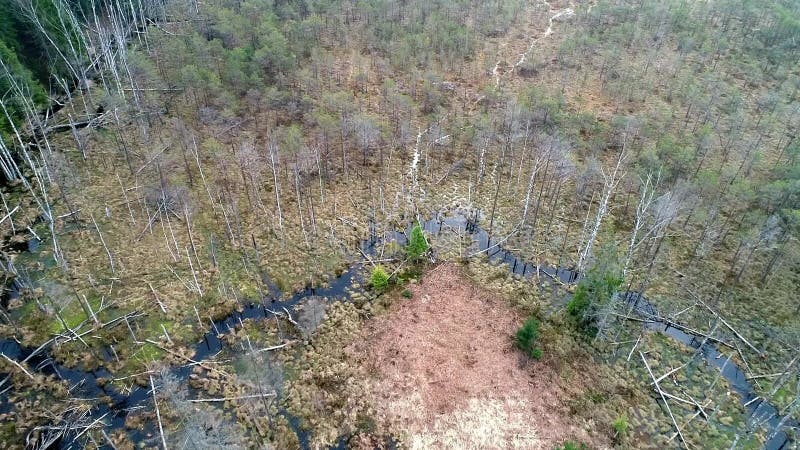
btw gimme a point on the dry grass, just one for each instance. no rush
(486, 423)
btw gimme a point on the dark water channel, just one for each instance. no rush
(85, 383)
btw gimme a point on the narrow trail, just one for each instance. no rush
(554, 16)
(412, 170)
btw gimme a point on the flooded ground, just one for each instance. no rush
(436, 330)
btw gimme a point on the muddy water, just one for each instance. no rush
(114, 414)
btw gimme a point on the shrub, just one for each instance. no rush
(406, 293)
(526, 338)
(569, 445)
(379, 279)
(620, 425)
(417, 245)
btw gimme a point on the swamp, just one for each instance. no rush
(449, 224)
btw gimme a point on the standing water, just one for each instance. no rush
(113, 413)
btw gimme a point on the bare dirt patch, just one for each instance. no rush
(446, 374)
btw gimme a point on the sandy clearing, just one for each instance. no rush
(446, 374)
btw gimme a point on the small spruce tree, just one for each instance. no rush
(417, 244)
(526, 338)
(379, 279)
(595, 292)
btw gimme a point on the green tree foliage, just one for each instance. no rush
(546, 108)
(595, 291)
(417, 244)
(272, 54)
(25, 55)
(16, 73)
(21, 40)
(32, 52)
(379, 279)
(674, 158)
(781, 38)
(527, 337)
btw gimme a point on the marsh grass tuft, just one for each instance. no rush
(620, 426)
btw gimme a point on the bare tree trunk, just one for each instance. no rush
(611, 182)
(273, 149)
(645, 201)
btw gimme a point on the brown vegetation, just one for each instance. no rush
(447, 374)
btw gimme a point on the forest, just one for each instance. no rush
(448, 224)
